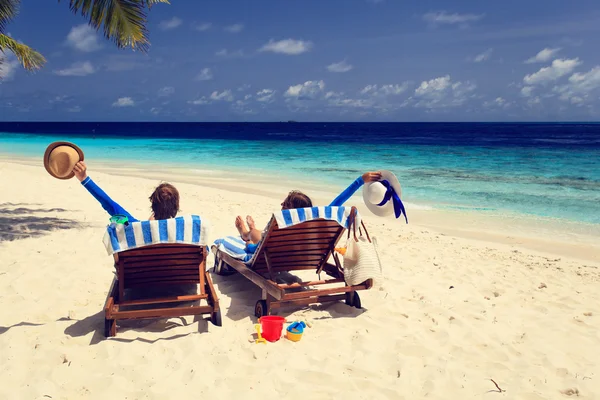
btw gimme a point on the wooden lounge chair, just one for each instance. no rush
(303, 246)
(155, 266)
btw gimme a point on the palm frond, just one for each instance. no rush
(8, 11)
(30, 58)
(123, 21)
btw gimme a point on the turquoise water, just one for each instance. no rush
(549, 182)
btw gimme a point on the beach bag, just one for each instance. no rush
(361, 260)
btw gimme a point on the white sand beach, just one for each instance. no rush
(467, 298)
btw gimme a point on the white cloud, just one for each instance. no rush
(433, 86)
(307, 90)
(483, 56)
(287, 46)
(235, 28)
(442, 92)
(166, 91)
(341, 66)
(203, 26)
(74, 109)
(225, 95)
(385, 90)
(83, 38)
(204, 75)
(498, 102)
(559, 68)
(199, 102)
(353, 103)
(543, 55)
(265, 95)
(442, 17)
(124, 102)
(229, 54)
(169, 24)
(526, 91)
(8, 67)
(244, 87)
(77, 69)
(579, 86)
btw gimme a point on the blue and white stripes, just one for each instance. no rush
(235, 247)
(188, 230)
(287, 218)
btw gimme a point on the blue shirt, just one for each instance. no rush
(348, 192)
(111, 206)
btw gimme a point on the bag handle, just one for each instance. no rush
(352, 226)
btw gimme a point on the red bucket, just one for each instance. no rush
(271, 327)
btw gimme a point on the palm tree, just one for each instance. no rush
(123, 22)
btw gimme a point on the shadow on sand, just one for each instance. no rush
(4, 329)
(21, 222)
(95, 323)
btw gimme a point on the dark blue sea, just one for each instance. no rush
(538, 169)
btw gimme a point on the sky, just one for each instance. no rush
(315, 60)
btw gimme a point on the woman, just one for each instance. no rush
(296, 199)
(164, 200)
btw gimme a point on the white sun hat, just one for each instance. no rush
(382, 198)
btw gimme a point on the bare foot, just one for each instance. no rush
(239, 224)
(250, 222)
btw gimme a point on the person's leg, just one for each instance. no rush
(239, 224)
(254, 235)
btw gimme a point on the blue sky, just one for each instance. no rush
(315, 60)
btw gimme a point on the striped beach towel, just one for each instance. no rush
(236, 247)
(187, 230)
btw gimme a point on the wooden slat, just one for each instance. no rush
(183, 256)
(311, 283)
(296, 245)
(157, 263)
(163, 312)
(283, 233)
(313, 224)
(308, 300)
(170, 299)
(321, 292)
(174, 270)
(160, 250)
(308, 257)
(308, 237)
(165, 277)
(162, 282)
(162, 273)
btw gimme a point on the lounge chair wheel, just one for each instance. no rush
(353, 299)
(221, 268)
(260, 309)
(215, 318)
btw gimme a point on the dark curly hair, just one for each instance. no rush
(296, 199)
(165, 201)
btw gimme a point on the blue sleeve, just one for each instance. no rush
(346, 194)
(107, 203)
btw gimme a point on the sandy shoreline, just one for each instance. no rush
(467, 298)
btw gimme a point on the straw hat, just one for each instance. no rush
(382, 198)
(60, 158)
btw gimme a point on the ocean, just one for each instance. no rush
(540, 170)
